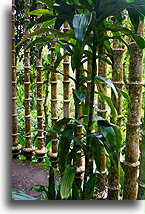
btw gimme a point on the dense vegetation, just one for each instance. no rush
(85, 120)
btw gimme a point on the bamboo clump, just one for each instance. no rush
(29, 149)
(134, 120)
(16, 147)
(41, 150)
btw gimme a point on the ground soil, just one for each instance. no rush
(27, 174)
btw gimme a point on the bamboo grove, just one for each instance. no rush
(82, 82)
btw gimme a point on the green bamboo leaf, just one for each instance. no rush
(90, 187)
(19, 195)
(109, 83)
(39, 31)
(21, 140)
(56, 127)
(39, 41)
(97, 151)
(86, 4)
(134, 17)
(51, 187)
(49, 19)
(110, 104)
(67, 181)
(79, 96)
(118, 136)
(124, 94)
(39, 12)
(64, 146)
(108, 133)
(81, 23)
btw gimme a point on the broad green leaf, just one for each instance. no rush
(109, 83)
(49, 19)
(81, 23)
(40, 12)
(56, 127)
(110, 104)
(79, 96)
(108, 133)
(90, 187)
(39, 41)
(64, 146)
(19, 195)
(77, 192)
(21, 140)
(86, 4)
(97, 151)
(134, 17)
(118, 137)
(38, 188)
(124, 94)
(67, 181)
(51, 187)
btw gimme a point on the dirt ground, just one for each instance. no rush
(25, 175)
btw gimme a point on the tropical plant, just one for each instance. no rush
(89, 26)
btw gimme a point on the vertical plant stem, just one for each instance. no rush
(133, 121)
(54, 117)
(29, 149)
(41, 150)
(91, 109)
(117, 78)
(16, 147)
(101, 177)
(66, 80)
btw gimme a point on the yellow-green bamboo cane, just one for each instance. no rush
(134, 120)
(41, 150)
(102, 177)
(29, 149)
(16, 147)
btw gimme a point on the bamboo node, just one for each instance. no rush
(40, 117)
(14, 115)
(41, 151)
(134, 124)
(53, 82)
(41, 83)
(27, 116)
(14, 98)
(26, 67)
(52, 155)
(39, 99)
(27, 83)
(27, 99)
(66, 101)
(114, 188)
(66, 63)
(16, 148)
(15, 134)
(66, 81)
(137, 163)
(135, 83)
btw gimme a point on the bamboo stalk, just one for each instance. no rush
(134, 120)
(29, 149)
(66, 80)
(41, 150)
(16, 147)
(140, 195)
(117, 78)
(102, 177)
(54, 117)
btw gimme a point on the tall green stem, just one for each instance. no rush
(91, 109)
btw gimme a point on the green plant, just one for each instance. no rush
(89, 26)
